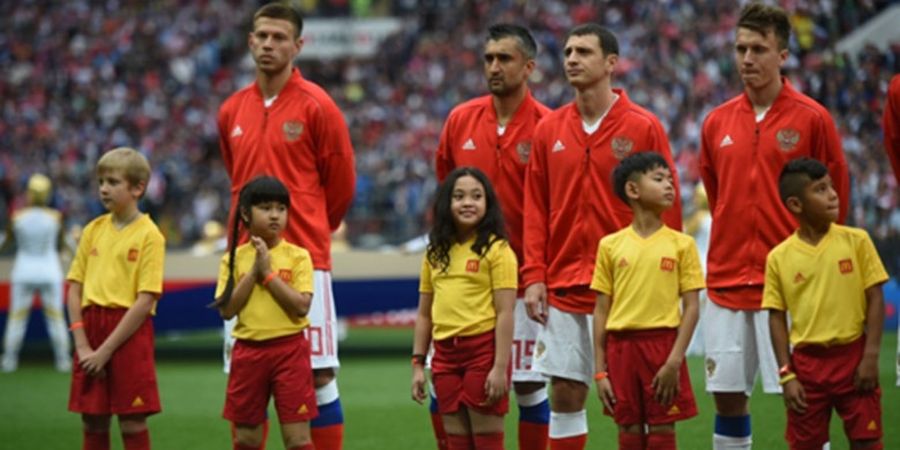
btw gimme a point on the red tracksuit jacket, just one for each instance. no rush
(569, 199)
(740, 162)
(302, 140)
(892, 125)
(470, 138)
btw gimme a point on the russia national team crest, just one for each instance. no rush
(787, 139)
(621, 146)
(292, 130)
(524, 150)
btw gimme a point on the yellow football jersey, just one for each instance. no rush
(114, 265)
(463, 302)
(646, 277)
(823, 286)
(262, 317)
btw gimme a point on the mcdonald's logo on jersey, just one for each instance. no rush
(472, 265)
(667, 264)
(845, 265)
(286, 275)
(132, 254)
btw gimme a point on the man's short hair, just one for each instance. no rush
(765, 19)
(527, 45)
(277, 10)
(131, 163)
(608, 42)
(797, 174)
(633, 166)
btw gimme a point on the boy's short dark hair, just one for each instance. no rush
(608, 42)
(796, 175)
(278, 10)
(765, 19)
(634, 165)
(519, 33)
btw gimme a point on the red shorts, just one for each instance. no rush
(459, 369)
(128, 385)
(278, 367)
(826, 374)
(633, 359)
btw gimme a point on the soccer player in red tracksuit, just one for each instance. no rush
(493, 133)
(745, 143)
(287, 127)
(892, 146)
(569, 206)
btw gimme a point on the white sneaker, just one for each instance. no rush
(64, 365)
(8, 365)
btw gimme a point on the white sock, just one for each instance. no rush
(328, 393)
(721, 442)
(563, 425)
(534, 398)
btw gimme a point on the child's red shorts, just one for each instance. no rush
(633, 358)
(826, 374)
(459, 368)
(128, 384)
(278, 367)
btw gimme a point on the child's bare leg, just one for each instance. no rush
(295, 434)
(661, 437)
(487, 430)
(248, 435)
(96, 431)
(866, 444)
(459, 430)
(134, 431)
(631, 437)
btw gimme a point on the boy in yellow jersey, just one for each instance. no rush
(114, 284)
(641, 330)
(828, 277)
(268, 284)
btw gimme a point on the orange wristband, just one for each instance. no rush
(418, 360)
(784, 370)
(268, 279)
(76, 325)
(601, 375)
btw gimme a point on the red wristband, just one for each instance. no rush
(601, 375)
(76, 325)
(268, 279)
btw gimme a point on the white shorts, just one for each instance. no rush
(322, 332)
(525, 334)
(565, 347)
(738, 346)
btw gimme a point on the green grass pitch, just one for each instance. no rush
(374, 387)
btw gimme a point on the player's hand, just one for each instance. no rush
(795, 396)
(866, 378)
(495, 386)
(665, 383)
(262, 265)
(536, 302)
(605, 392)
(93, 363)
(418, 384)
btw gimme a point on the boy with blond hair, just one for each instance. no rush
(114, 284)
(828, 277)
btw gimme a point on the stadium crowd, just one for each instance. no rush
(82, 77)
